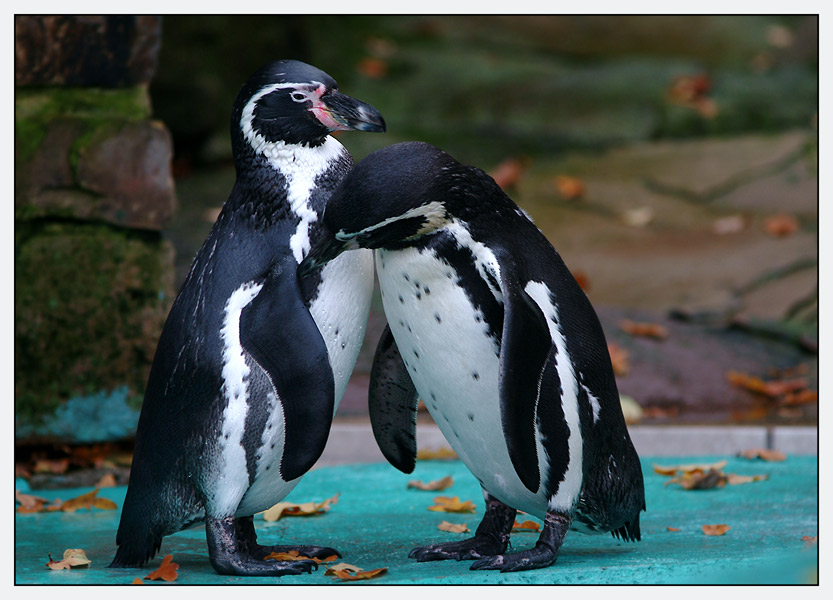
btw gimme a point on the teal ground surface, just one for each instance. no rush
(377, 520)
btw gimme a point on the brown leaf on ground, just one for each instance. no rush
(763, 454)
(781, 225)
(453, 527)
(437, 454)
(673, 528)
(689, 468)
(432, 486)
(54, 466)
(74, 557)
(28, 503)
(772, 389)
(109, 480)
(652, 330)
(716, 529)
(526, 526)
(349, 572)
(733, 479)
(296, 555)
(508, 173)
(138, 581)
(447, 504)
(798, 398)
(619, 359)
(166, 571)
(290, 509)
(697, 480)
(810, 540)
(88, 500)
(570, 188)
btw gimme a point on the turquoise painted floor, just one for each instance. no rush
(377, 520)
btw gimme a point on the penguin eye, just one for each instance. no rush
(298, 96)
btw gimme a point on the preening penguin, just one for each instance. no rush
(252, 362)
(487, 325)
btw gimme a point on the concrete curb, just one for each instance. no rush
(354, 442)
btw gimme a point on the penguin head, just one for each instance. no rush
(292, 102)
(392, 198)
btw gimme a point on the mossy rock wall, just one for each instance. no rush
(93, 190)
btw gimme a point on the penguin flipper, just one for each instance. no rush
(392, 401)
(279, 333)
(525, 349)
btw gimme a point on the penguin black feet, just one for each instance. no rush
(542, 555)
(490, 538)
(247, 538)
(230, 555)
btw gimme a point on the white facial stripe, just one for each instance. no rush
(568, 490)
(433, 212)
(235, 374)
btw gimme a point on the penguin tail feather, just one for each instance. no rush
(629, 532)
(137, 551)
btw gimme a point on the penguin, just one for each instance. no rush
(252, 362)
(488, 327)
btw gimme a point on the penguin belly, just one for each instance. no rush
(340, 310)
(454, 365)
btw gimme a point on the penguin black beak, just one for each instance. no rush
(349, 113)
(322, 252)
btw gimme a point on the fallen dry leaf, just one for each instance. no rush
(798, 398)
(673, 528)
(432, 486)
(526, 526)
(29, 503)
(570, 188)
(810, 540)
(138, 581)
(166, 571)
(453, 527)
(697, 480)
(689, 468)
(443, 453)
(290, 509)
(509, 172)
(772, 389)
(296, 555)
(715, 529)
(653, 330)
(763, 454)
(54, 466)
(349, 572)
(619, 359)
(88, 500)
(781, 225)
(74, 557)
(447, 504)
(733, 479)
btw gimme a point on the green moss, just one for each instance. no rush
(90, 302)
(94, 106)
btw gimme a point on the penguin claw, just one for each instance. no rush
(535, 558)
(470, 549)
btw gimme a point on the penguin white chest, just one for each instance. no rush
(444, 342)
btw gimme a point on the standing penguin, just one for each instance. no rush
(490, 329)
(252, 363)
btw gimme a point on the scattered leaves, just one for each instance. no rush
(716, 529)
(526, 526)
(570, 188)
(166, 571)
(653, 330)
(447, 504)
(349, 572)
(705, 477)
(432, 486)
(443, 453)
(109, 480)
(690, 468)
(763, 454)
(619, 359)
(810, 540)
(772, 389)
(290, 509)
(293, 555)
(508, 173)
(28, 503)
(698, 480)
(138, 581)
(673, 528)
(733, 479)
(54, 466)
(782, 225)
(453, 527)
(75, 557)
(89, 501)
